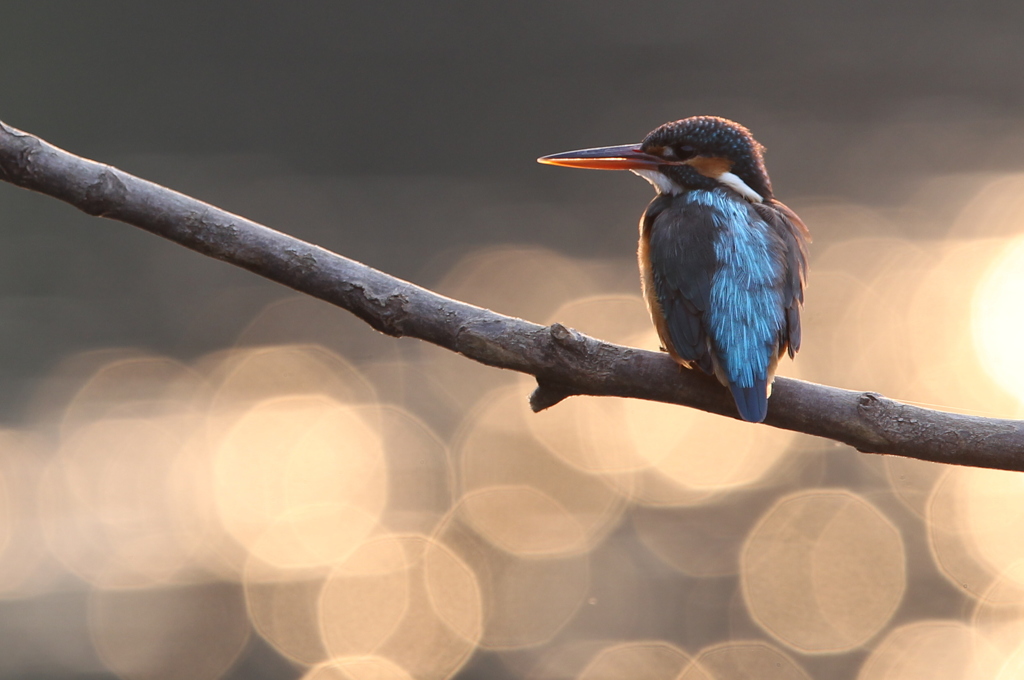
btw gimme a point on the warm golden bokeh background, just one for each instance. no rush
(205, 476)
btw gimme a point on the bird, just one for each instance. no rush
(723, 264)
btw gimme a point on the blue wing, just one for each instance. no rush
(796, 236)
(682, 263)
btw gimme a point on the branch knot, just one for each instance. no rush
(107, 192)
(565, 337)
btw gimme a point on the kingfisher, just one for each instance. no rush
(723, 265)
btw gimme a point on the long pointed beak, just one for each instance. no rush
(624, 157)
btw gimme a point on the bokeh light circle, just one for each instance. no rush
(999, 612)
(637, 660)
(975, 527)
(742, 659)
(407, 599)
(931, 650)
(283, 608)
(526, 599)
(119, 501)
(181, 633)
(300, 479)
(522, 497)
(823, 571)
(358, 668)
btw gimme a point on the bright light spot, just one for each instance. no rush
(998, 320)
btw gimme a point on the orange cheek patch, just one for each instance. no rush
(710, 166)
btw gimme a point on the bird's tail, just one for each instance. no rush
(751, 402)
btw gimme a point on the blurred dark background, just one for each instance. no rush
(404, 135)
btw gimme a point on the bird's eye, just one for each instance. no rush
(683, 152)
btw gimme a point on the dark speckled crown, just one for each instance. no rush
(717, 137)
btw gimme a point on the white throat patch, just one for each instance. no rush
(661, 183)
(740, 187)
(664, 185)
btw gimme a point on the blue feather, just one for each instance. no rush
(747, 314)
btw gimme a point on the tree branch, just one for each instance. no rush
(564, 361)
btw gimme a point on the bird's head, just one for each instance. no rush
(700, 152)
